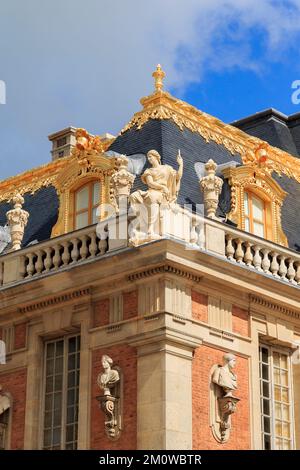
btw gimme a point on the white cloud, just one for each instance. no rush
(67, 62)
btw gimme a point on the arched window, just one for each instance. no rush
(255, 214)
(86, 202)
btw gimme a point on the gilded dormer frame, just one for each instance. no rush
(255, 180)
(79, 171)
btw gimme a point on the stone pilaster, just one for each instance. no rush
(164, 399)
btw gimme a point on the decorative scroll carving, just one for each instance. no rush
(163, 186)
(211, 186)
(109, 382)
(161, 105)
(17, 220)
(222, 402)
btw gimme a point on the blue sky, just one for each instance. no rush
(87, 64)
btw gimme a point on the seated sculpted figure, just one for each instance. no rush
(162, 180)
(225, 377)
(163, 186)
(109, 376)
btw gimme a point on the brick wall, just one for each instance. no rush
(199, 306)
(20, 335)
(204, 359)
(130, 304)
(15, 384)
(101, 313)
(240, 321)
(125, 358)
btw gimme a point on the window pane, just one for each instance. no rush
(258, 208)
(246, 203)
(82, 220)
(82, 198)
(265, 355)
(247, 224)
(285, 395)
(95, 218)
(277, 430)
(61, 399)
(285, 412)
(96, 193)
(276, 359)
(258, 229)
(284, 377)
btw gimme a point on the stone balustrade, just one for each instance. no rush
(53, 255)
(197, 231)
(262, 256)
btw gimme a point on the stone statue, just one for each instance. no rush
(121, 182)
(4, 401)
(109, 402)
(225, 377)
(162, 180)
(17, 219)
(109, 377)
(163, 186)
(211, 186)
(222, 402)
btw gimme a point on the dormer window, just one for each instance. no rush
(255, 214)
(86, 202)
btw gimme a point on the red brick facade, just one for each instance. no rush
(240, 321)
(20, 336)
(101, 313)
(199, 306)
(125, 358)
(130, 305)
(15, 384)
(204, 359)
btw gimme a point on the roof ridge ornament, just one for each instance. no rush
(158, 76)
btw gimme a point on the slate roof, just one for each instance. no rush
(43, 208)
(166, 137)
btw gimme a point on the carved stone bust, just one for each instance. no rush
(225, 377)
(109, 377)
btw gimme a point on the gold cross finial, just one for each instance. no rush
(158, 76)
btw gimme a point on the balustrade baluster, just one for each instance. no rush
(248, 258)
(30, 266)
(239, 252)
(257, 258)
(274, 264)
(56, 257)
(282, 268)
(229, 248)
(291, 273)
(93, 245)
(83, 249)
(66, 254)
(75, 251)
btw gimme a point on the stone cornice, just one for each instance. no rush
(55, 300)
(163, 269)
(270, 306)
